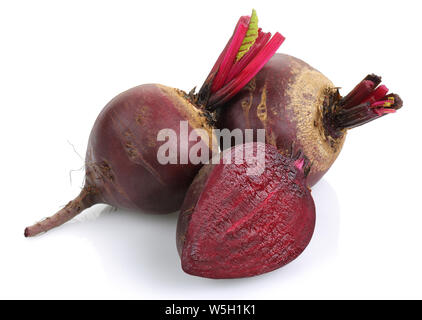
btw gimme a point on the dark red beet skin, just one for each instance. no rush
(121, 163)
(121, 159)
(235, 225)
(298, 106)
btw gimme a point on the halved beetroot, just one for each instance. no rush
(248, 218)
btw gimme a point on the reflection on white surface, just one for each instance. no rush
(139, 250)
(325, 239)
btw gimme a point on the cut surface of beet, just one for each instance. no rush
(237, 225)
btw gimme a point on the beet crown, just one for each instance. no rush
(298, 106)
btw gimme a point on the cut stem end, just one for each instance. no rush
(366, 102)
(301, 162)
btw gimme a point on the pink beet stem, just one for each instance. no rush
(299, 163)
(263, 38)
(377, 94)
(374, 106)
(215, 68)
(256, 64)
(230, 54)
(384, 110)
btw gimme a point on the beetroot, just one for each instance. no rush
(297, 104)
(122, 165)
(233, 224)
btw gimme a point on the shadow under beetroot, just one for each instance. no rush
(139, 250)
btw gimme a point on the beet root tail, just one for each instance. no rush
(83, 201)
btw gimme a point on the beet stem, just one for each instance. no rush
(255, 65)
(83, 201)
(242, 58)
(230, 56)
(366, 102)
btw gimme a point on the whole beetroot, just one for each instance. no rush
(297, 104)
(237, 221)
(122, 163)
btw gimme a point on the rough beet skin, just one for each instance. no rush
(235, 225)
(296, 104)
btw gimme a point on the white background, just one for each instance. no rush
(61, 62)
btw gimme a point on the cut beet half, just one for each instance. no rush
(234, 224)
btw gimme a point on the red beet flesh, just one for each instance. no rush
(299, 106)
(235, 225)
